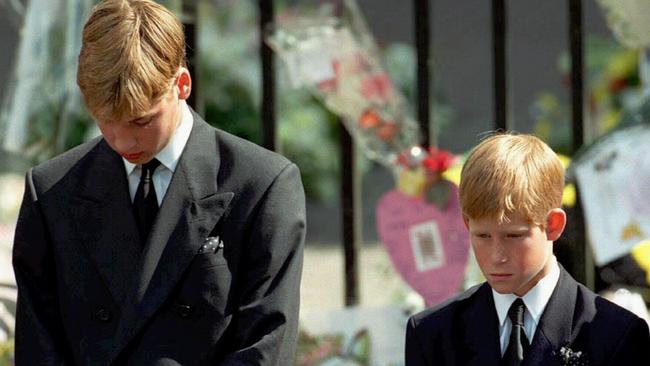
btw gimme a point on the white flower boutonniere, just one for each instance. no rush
(572, 358)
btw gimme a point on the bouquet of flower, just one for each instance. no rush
(420, 174)
(336, 58)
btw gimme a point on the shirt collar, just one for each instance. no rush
(535, 299)
(170, 155)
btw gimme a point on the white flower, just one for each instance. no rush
(572, 358)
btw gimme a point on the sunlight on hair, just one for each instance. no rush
(510, 173)
(131, 52)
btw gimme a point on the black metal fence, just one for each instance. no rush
(577, 261)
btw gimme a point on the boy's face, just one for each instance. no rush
(139, 140)
(514, 256)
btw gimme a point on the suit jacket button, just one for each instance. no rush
(184, 311)
(103, 315)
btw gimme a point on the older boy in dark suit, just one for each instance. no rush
(165, 241)
(530, 311)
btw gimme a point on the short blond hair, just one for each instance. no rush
(131, 51)
(511, 173)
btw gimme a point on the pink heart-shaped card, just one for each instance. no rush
(428, 246)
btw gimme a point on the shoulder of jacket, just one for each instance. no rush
(444, 312)
(48, 173)
(249, 161)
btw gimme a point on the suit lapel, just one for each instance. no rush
(105, 222)
(482, 330)
(557, 326)
(190, 210)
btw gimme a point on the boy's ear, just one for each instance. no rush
(184, 83)
(466, 222)
(555, 223)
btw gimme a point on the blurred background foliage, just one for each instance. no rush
(614, 95)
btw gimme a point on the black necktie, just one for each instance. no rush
(518, 344)
(145, 203)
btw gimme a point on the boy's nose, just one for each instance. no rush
(499, 255)
(123, 141)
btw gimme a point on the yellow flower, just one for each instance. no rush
(569, 195)
(641, 255)
(412, 182)
(611, 119)
(622, 64)
(453, 173)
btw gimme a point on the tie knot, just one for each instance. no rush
(150, 166)
(516, 312)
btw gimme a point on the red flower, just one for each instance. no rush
(377, 86)
(387, 131)
(616, 85)
(438, 160)
(369, 119)
(435, 162)
(402, 160)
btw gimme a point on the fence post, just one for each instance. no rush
(422, 41)
(269, 138)
(499, 64)
(350, 207)
(189, 23)
(582, 258)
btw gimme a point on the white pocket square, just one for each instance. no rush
(211, 244)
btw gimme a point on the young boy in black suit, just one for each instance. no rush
(530, 311)
(165, 241)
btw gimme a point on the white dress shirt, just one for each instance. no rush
(535, 300)
(168, 157)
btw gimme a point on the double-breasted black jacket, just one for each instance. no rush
(89, 294)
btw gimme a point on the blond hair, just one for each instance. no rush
(131, 51)
(510, 173)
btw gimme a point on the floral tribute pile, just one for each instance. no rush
(333, 55)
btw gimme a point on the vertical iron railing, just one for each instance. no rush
(577, 67)
(422, 43)
(189, 23)
(582, 264)
(350, 209)
(269, 136)
(350, 193)
(499, 64)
